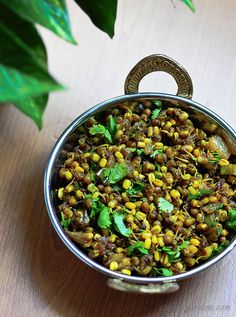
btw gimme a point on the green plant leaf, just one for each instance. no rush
(232, 225)
(210, 220)
(97, 206)
(174, 255)
(64, 222)
(100, 129)
(200, 193)
(114, 174)
(183, 245)
(104, 220)
(33, 107)
(140, 152)
(20, 43)
(17, 86)
(156, 152)
(52, 14)
(161, 271)
(136, 188)
(220, 248)
(23, 66)
(232, 214)
(165, 272)
(112, 126)
(216, 157)
(137, 247)
(158, 167)
(102, 13)
(156, 112)
(190, 4)
(164, 205)
(231, 222)
(120, 226)
(214, 207)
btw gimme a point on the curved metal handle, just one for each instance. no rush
(162, 63)
(162, 288)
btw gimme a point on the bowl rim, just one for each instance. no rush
(52, 212)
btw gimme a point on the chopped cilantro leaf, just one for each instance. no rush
(114, 174)
(112, 125)
(165, 272)
(164, 205)
(104, 220)
(174, 255)
(93, 165)
(137, 247)
(158, 103)
(156, 152)
(88, 196)
(214, 207)
(156, 112)
(76, 186)
(232, 225)
(211, 222)
(144, 199)
(93, 178)
(137, 129)
(120, 226)
(64, 222)
(232, 214)
(183, 245)
(231, 222)
(140, 152)
(100, 129)
(96, 206)
(137, 188)
(161, 271)
(220, 248)
(216, 157)
(200, 193)
(118, 188)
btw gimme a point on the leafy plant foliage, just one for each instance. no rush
(24, 78)
(102, 13)
(190, 4)
(49, 13)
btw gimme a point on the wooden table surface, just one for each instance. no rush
(38, 275)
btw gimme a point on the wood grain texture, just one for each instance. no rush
(38, 276)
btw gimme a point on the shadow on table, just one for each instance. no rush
(67, 287)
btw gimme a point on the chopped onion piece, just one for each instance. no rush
(217, 144)
(228, 169)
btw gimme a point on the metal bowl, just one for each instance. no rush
(206, 118)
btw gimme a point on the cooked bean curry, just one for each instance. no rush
(146, 191)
